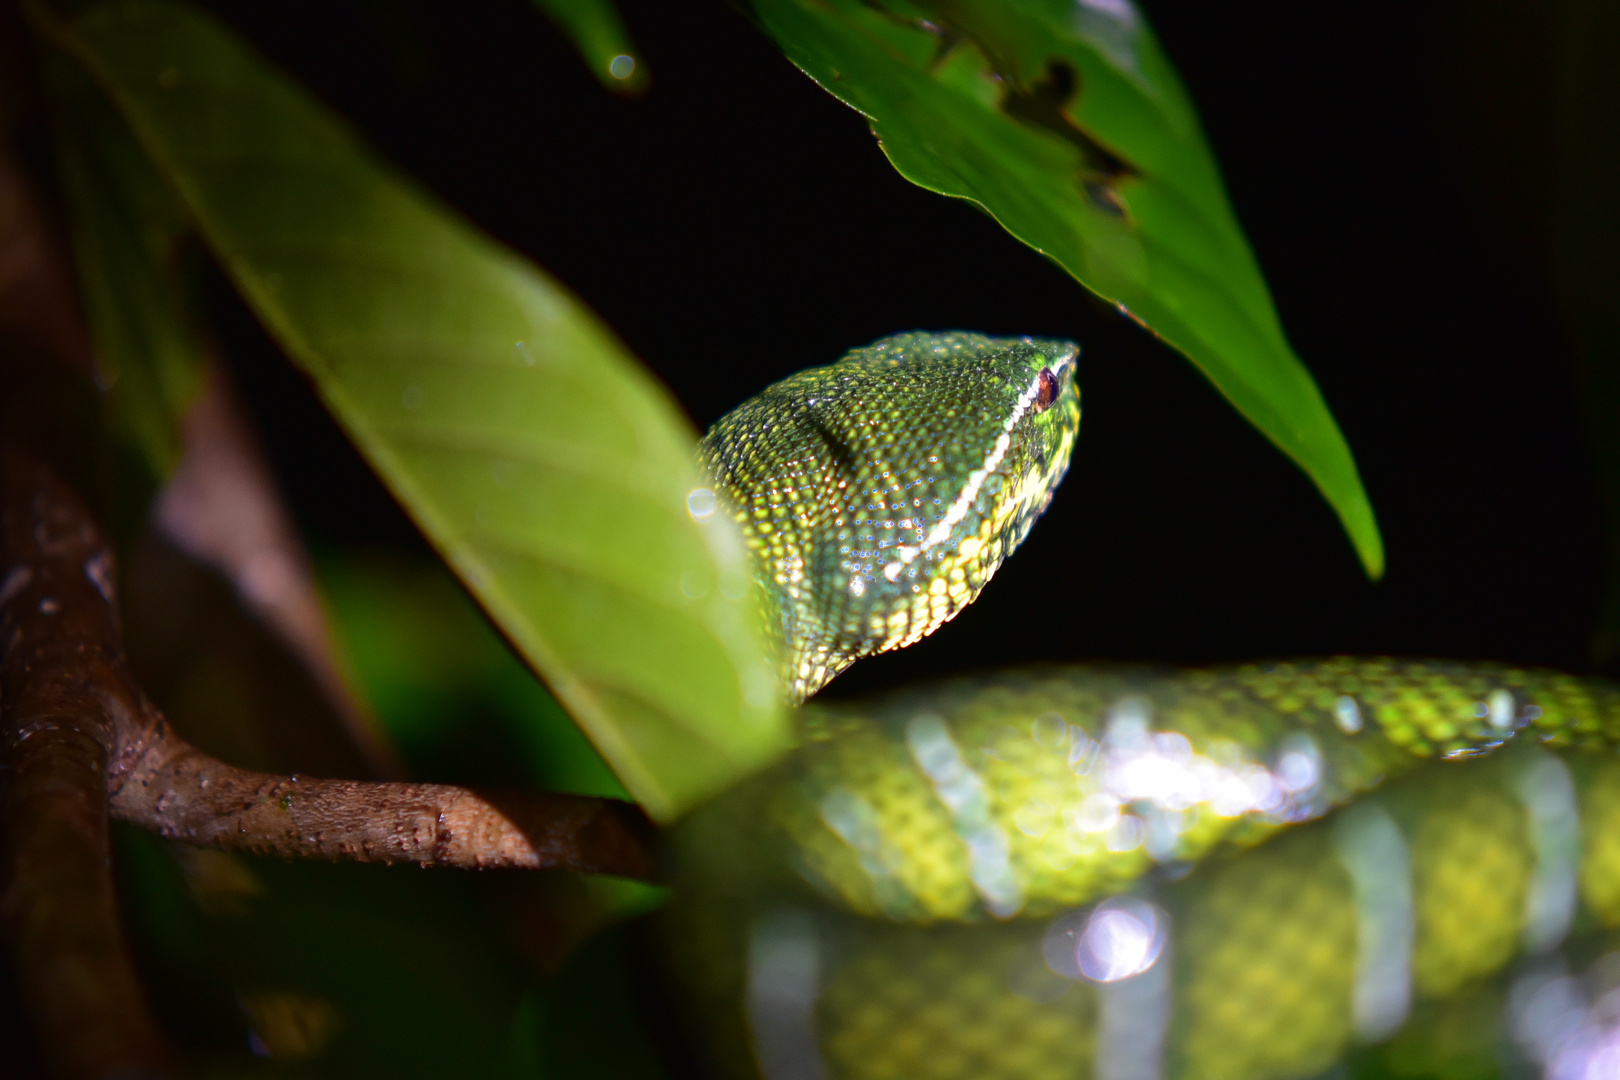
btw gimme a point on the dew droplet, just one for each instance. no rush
(701, 503)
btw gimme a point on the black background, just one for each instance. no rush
(738, 224)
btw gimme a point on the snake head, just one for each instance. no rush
(879, 494)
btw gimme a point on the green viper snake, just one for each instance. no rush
(1339, 868)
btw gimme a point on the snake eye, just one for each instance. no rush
(1047, 392)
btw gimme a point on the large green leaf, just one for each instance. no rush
(550, 469)
(1065, 121)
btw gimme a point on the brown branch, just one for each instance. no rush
(81, 738)
(155, 779)
(182, 793)
(59, 906)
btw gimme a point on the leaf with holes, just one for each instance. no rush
(1065, 122)
(548, 467)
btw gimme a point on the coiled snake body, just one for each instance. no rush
(1340, 867)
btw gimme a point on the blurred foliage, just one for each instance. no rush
(1069, 126)
(599, 1015)
(225, 679)
(450, 693)
(545, 464)
(457, 702)
(336, 970)
(303, 963)
(133, 251)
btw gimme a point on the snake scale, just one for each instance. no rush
(1338, 868)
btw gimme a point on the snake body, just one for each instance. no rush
(1341, 867)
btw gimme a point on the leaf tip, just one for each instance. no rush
(1362, 527)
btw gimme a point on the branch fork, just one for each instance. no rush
(80, 742)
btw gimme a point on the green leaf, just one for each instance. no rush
(1067, 124)
(548, 467)
(131, 242)
(449, 692)
(597, 32)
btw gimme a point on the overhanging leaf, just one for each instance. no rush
(1065, 122)
(546, 465)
